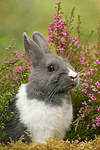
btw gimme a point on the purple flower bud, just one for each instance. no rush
(98, 109)
(88, 126)
(6, 62)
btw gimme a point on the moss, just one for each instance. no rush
(53, 144)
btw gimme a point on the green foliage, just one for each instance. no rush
(13, 73)
(86, 61)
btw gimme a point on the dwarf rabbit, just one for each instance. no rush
(42, 107)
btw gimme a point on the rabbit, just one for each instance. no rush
(42, 108)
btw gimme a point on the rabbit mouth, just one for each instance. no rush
(70, 87)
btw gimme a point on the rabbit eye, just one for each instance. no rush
(51, 68)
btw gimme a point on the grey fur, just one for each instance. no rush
(13, 127)
(50, 86)
(45, 85)
(41, 41)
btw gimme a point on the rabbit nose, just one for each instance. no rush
(72, 74)
(73, 77)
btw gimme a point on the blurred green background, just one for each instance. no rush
(17, 16)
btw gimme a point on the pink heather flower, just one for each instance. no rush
(78, 45)
(88, 73)
(29, 66)
(57, 49)
(98, 86)
(55, 26)
(94, 90)
(19, 57)
(57, 3)
(63, 42)
(74, 90)
(84, 90)
(72, 141)
(77, 141)
(98, 121)
(64, 35)
(16, 79)
(55, 15)
(96, 53)
(17, 53)
(97, 83)
(55, 21)
(60, 16)
(63, 22)
(78, 108)
(82, 61)
(84, 103)
(93, 97)
(97, 62)
(50, 24)
(83, 47)
(57, 37)
(75, 43)
(88, 126)
(96, 69)
(6, 62)
(24, 53)
(64, 47)
(70, 38)
(19, 63)
(7, 75)
(49, 41)
(98, 92)
(50, 31)
(9, 70)
(58, 22)
(12, 59)
(19, 70)
(61, 49)
(14, 85)
(98, 109)
(87, 106)
(91, 80)
(86, 85)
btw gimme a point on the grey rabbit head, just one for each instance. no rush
(52, 76)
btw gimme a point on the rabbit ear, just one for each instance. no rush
(41, 41)
(33, 51)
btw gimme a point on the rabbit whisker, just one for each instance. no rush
(80, 91)
(51, 93)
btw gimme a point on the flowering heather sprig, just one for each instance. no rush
(6, 62)
(13, 73)
(84, 59)
(98, 109)
(98, 121)
(19, 70)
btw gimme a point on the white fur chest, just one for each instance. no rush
(43, 121)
